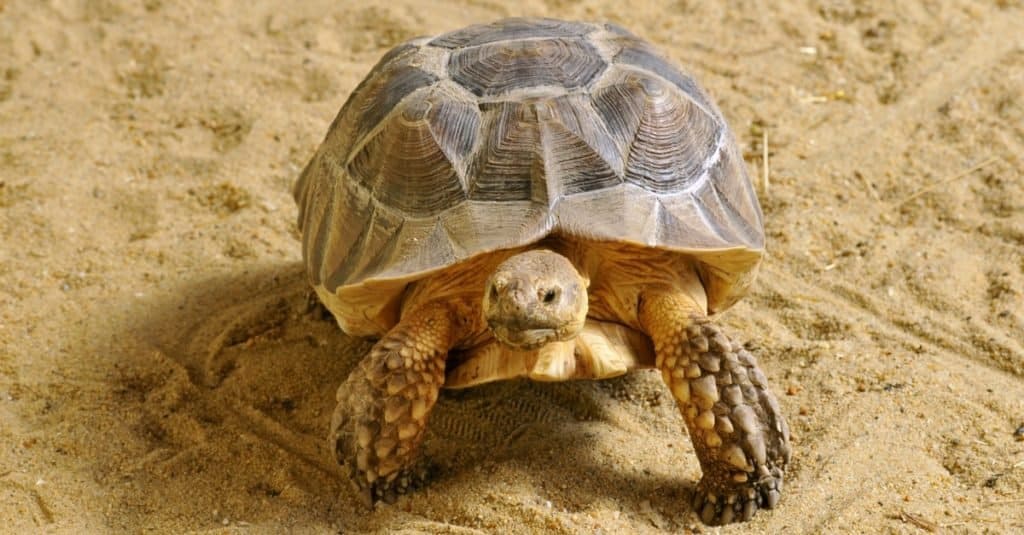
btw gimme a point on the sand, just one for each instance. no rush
(161, 370)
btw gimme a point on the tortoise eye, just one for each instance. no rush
(550, 296)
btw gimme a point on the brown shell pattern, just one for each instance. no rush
(495, 136)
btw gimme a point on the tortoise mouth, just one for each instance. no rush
(524, 339)
(528, 339)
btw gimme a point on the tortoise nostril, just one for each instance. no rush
(550, 295)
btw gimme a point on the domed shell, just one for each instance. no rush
(496, 136)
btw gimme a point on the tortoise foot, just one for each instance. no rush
(719, 502)
(740, 434)
(384, 405)
(376, 438)
(734, 420)
(387, 489)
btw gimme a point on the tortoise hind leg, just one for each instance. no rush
(384, 404)
(738, 431)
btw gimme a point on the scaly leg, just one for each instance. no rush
(384, 404)
(734, 420)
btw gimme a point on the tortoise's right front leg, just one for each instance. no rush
(384, 404)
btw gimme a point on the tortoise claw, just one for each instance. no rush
(717, 506)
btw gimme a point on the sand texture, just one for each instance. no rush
(161, 368)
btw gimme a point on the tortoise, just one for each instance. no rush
(545, 199)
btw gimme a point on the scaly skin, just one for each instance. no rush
(384, 404)
(738, 431)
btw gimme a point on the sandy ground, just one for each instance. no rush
(160, 369)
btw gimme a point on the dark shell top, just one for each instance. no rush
(496, 136)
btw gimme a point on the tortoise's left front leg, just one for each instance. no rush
(733, 418)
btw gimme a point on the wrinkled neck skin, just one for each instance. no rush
(612, 279)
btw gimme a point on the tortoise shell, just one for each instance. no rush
(497, 136)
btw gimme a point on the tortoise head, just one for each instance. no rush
(534, 298)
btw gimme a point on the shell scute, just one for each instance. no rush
(508, 166)
(374, 100)
(410, 162)
(637, 52)
(502, 67)
(578, 147)
(511, 30)
(665, 140)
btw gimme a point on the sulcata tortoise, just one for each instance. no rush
(543, 199)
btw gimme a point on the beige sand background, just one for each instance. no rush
(160, 369)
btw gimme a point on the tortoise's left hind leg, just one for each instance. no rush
(384, 404)
(734, 420)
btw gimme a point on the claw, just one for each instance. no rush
(697, 503)
(727, 515)
(749, 508)
(708, 514)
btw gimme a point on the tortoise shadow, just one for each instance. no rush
(573, 444)
(238, 387)
(235, 378)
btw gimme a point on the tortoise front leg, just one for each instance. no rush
(384, 404)
(734, 420)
